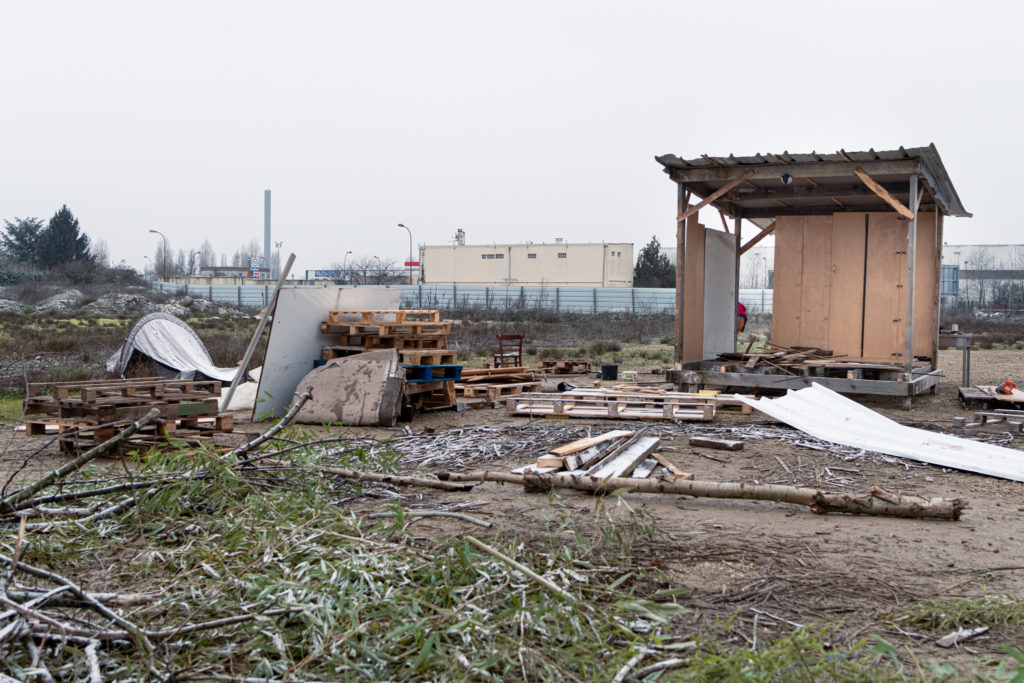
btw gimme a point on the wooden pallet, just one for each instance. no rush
(565, 367)
(655, 397)
(492, 392)
(391, 329)
(427, 357)
(370, 317)
(77, 436)
(372, 342)
(1011, 421)
(431, 373)
(628, 408)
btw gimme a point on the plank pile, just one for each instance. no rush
(490, 384)
(419, 337)
(565, 367)
(86, 413)
(809, 362)
(618, 453)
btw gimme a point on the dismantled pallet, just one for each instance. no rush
(493, 392)
(617, 453)
(657, 396)
(78, 436)
(1011, 421)
(565, 367)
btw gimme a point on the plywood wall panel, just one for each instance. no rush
(719, 293)
(886, 274)
(845, 331)
(786, 293)
(816, 281)
(926, 286)
(693, 296)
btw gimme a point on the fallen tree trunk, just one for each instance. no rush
(395, 479)
(875, 502)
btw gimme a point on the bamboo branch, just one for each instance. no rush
(269, 434)
(875, 502)
(7, 504)
(529, 573)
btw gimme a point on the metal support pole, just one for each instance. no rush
(735, 304)
(681, 201)
(908, 352)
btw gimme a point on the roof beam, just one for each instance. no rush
(824, 210)
(821, 169)
(785, 193)
(875, 187)
(746, 175)
(757, 238)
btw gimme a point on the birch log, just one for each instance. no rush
(875, 502)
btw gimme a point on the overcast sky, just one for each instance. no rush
(517, 121)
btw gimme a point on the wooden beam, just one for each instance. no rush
(788, 192)
(725, 226)
(714, 195)
(824, 209)
(885, 195)
(757, 238)
(819, 169)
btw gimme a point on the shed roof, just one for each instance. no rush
(800, 184)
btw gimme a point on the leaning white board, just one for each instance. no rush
(295, 339)
(719, 293)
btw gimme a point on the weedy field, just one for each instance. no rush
(271, 562)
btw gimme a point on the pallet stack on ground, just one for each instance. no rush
(421, 340)
(86, 413)
(628, 405)
(618, 453)
(565, 367)
(723, 402)
(486, 385)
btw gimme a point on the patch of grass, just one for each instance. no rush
(10, 408)
(953, 613)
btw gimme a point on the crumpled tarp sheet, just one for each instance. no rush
(171, 342)
(826, 415)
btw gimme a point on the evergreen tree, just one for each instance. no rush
(61, 242)
(20, 239)
(653, 269)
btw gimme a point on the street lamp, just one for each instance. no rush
(157, 232)
(410, 251)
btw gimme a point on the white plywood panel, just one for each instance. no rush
(719, 293)
(295, 339)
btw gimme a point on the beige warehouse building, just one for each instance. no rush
(561, 264)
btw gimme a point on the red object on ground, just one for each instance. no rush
(1006, 387)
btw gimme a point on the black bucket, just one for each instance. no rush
(609, 372)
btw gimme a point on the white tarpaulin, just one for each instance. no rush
(171, 343)
(826, 415)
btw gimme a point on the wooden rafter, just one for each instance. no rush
(884, 194)
(714, 195)
(757, 238)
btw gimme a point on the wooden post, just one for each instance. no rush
(908, 352)
(735, 304)
(681, 201)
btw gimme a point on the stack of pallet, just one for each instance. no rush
(565, 367)
(617, 453)
(421, 340)
(627, 403)
(807, 361)
(87, 413)
(487, 385)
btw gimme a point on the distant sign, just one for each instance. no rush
(323, 274)
(412, 264)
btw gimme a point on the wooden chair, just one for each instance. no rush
(510, 351)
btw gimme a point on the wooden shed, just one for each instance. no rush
(858, 242)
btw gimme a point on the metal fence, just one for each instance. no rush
(558, 299)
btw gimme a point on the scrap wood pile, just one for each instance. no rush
(89, 412)
(419, 337)
(624, 401)
(486, 385)
(807, 361)
(618, 453)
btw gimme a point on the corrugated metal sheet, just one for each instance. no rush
(826, 415)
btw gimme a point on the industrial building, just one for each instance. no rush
(603, 264)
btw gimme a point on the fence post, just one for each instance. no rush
(419, 297)
(632, 296)
(266, 294)
(522, 297)
(595, 300)
(455, 296)
(239, 296)
(558, 307)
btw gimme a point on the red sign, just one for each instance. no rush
(412, 264)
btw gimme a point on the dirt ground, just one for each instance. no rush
(740, 556)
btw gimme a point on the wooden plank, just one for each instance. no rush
(883, 194)
(692, 210)
(667, 464)
(816, 280)
(693, 306)
(758, 237)
(884, 286)
(786, 299)
(583, 444)
(926, 290)
(717, 444)
(846, 291)
(645, 469)
(623, 463)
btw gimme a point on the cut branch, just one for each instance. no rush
(269, 434)
(875, 502)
